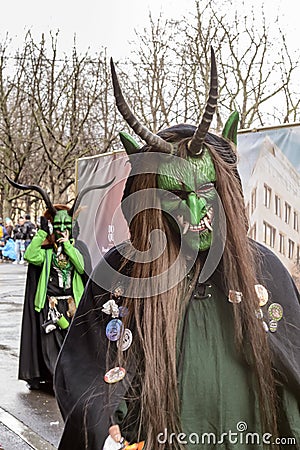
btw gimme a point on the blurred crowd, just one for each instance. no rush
(15, 238)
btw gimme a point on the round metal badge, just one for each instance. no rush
(126, 340)
(114, 375)
(262, 294)
(114, 329)
(273, 324)
(235, 296)
(275, 311)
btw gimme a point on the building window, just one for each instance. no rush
(252, 232)
(277, 206)
(253, 200)
(287, 212)
(267, 196)
(269, 234)
(298, 255)
(248, 210)
(291, 248)
(282, 243)
(296, 221)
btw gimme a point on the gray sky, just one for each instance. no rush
(111, 23)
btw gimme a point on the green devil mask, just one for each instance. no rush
(188, 196)
(62, 221)
(189, 184)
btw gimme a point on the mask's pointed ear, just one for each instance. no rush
(130, 145)
(231, 126)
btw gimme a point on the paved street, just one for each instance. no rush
(28, 419)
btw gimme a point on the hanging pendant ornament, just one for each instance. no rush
(114, 375)
(273, 324)
(259, 314)
(126, 340)
(111, 444)
(62, 260)
(123, 311)
(235, 296)
(262, 294)
(111, 308)
(275, 311)
(265, 325)
(118, 291)
(114, 329)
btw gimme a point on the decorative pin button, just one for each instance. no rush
(235, 296)
(114, 329)
(259, 314)
(123, 311)
(111, 308)
(114, 375)
(273, 325)
(262, 294)
(275, 311)
(266, 328)
(126, 340)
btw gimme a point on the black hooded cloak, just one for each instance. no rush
(32, 367)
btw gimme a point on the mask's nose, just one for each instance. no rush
(197, 207)
(63, 227)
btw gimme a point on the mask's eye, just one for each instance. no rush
(174, 195)
(58, 225)
(205, 189)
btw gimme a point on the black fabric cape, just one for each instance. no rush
(87, 402)
(31, 361)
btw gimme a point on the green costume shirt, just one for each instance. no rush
(219, 404)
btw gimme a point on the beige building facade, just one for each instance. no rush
(272, 199)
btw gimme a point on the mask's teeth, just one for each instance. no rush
(180, 220)
(207, 224)
(186, 226)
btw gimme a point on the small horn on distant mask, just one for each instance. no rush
(84, 191)
(45, 196)
(195, 145)
(150, 138)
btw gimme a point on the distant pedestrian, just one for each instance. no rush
(8, 251)
(3, 234)
(56, 276)
(8, 223)
(30, 230)
(19, 234)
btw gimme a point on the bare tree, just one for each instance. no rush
(53, 111)
(150, 80)
(252, 78)
(17, 133)
(56, 109)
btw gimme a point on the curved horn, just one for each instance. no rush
(195, 145)
(143, 132)
(25, 187)
(84, 191)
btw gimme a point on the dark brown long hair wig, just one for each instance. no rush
(156, 318)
